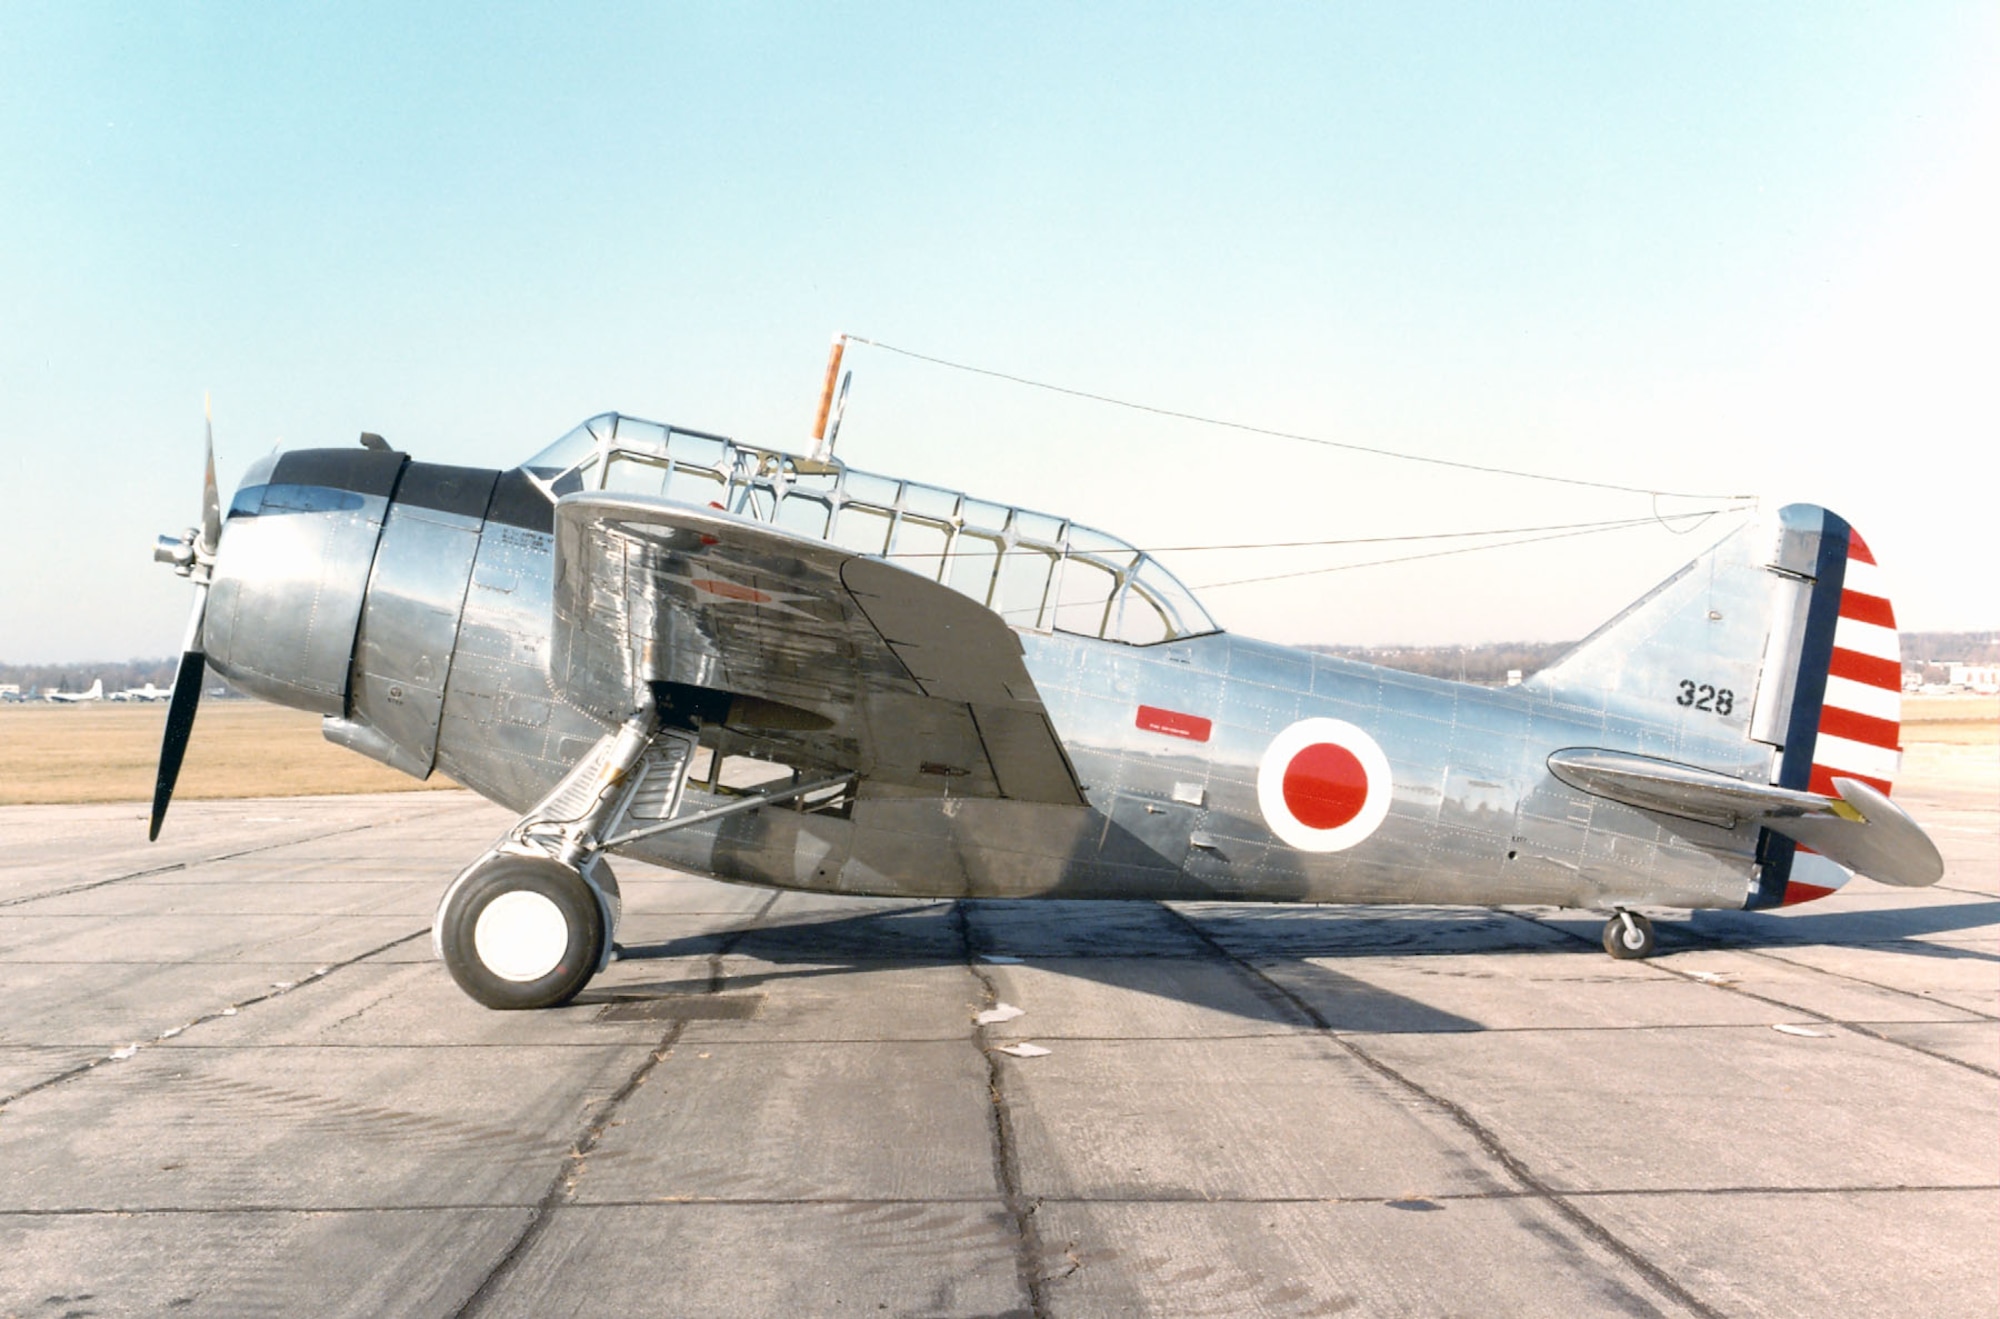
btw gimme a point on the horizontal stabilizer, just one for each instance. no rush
(1857, 827)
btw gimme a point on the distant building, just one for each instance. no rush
(1984, 678)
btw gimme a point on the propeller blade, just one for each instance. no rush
(211, 502)
(173, 746)
(194, 660)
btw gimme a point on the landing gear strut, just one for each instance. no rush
(533, 919)
(1628, 936)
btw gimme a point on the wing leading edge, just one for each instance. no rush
(904, 681)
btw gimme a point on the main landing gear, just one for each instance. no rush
(1628, 936)
(531, 921)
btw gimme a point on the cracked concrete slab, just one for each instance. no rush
(1414, 1256)
(898, 1258)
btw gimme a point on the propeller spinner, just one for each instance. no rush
(193, 556)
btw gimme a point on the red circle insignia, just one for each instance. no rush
(1325, 786)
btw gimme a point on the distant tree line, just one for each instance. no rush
(1938, 648)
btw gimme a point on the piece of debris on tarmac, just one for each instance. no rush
(1024, 1050)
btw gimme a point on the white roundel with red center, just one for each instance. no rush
(1323, 785)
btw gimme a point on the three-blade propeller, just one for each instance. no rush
(193, 556)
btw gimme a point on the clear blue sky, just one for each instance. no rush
(1706, 247)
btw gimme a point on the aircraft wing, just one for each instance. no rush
(1860, 828)
(834, 660)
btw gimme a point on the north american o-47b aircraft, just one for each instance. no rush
(776, 669)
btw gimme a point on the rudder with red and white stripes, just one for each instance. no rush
(1846, 714)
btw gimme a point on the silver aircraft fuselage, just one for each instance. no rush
(412, 609)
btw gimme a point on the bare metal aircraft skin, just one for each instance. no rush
(787, 672)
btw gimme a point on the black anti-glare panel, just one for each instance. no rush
(519, 502)
(360, 470)
(462, 490)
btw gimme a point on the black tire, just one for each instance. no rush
(1620, 943)
(570, 950)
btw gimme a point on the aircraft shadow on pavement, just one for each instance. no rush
(1120, 945)
(1892, 929)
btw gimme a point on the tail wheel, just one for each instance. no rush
(522, 932)
(1628, 936)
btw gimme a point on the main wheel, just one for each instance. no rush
(1628, 941)
(522, 932)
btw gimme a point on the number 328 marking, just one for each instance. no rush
(1704, 697)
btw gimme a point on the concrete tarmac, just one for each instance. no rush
(233, 1081)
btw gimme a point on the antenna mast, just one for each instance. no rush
(823, 437)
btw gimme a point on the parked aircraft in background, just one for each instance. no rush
(96, 693)
(777, 669)
(147, 693)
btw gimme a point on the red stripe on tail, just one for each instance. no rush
(1866, 669)
(1867, 609)
(1884, 733)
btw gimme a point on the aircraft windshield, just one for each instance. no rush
(1037, 572)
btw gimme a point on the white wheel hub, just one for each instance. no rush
(520, 935)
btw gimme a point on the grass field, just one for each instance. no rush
(1958, 720)
(52, 754)
(107, 752)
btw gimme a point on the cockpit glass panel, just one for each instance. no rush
(575, 479)
(929, 501)
(1184, 611)
(803, 514)
(697, 485)
(631, 475)
(645, 436)
(973, 559)
(987, 517)
(698, 450)
(1089, 540)
(919, 546)
(566, 452)
(868, 489)
(1139, 620)
(1023, 586)
(1083, 596)
(1038, 526)
(861, 529)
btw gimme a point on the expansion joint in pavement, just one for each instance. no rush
(562, 1188)
(275, 991)
(563, 1185)
(171, 867)
(1472, 1126)
(1028, 1248)
(1793, 1009)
